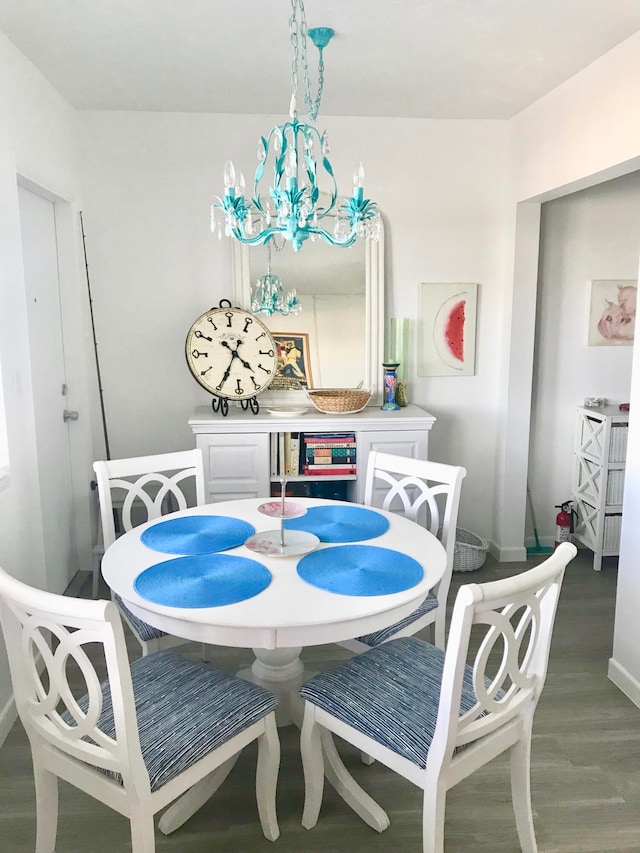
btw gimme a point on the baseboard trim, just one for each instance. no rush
(8, 716)
(508, 555)
(624, 681)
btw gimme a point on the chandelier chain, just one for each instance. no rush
(294, 28)
(299, 33)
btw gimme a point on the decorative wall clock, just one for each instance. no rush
(233, 355)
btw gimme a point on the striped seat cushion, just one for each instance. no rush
(390, 694)
(142, 629)
(185, 709)
(430, 603)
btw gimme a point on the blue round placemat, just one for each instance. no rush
(360, 570)
(340, 523)
(202, 581)
(197, 534)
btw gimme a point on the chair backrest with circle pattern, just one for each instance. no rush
(424, 491)
(514, 617)
(46, 637)
(148, 487)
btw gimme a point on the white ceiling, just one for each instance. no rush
(422, 58)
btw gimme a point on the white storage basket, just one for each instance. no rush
(470, 551)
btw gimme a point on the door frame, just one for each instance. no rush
(79, 362)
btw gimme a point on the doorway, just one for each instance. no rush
(40, 250)
(584, 236)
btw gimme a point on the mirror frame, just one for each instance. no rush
(374, 318)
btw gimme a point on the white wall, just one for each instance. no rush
(148, 182)
(38, 138)
(591, 234)
(583, 132)
(624, 664)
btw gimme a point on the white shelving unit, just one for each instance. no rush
(598, 479)
(237, 448)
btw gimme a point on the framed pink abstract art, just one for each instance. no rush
(447, 329)
(612, 312)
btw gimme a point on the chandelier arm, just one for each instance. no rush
(254, 240)
(328, 237)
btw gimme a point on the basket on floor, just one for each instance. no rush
(343, 401)
(470, 551)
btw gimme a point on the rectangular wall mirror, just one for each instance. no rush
(341, 321)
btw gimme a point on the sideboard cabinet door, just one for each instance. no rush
(236, 465)
(411, 443)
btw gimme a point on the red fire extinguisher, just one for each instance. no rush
(563, 523)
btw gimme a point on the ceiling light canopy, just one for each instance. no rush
(295, 204)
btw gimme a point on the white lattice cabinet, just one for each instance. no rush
(236, 448)
(598, 479)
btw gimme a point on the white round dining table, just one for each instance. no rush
(289, 613)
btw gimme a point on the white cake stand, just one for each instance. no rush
(281, 542)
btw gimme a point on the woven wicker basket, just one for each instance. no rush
(339, 400)
(470, 551)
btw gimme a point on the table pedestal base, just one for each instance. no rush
(282, 672)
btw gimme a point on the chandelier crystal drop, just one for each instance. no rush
(295, 205)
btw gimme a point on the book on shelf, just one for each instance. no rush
(286, 458)
(329, 441)
(333, 448)
(274, 453)
(330, 450)
(294, 454)
(332, 463)
(314, 443)
(330, 470)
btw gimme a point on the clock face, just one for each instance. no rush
(231, 353)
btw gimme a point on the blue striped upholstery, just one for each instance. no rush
(185, 709)
(390, 694)
(377, 637)
(146, 632)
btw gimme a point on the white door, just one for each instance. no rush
(46, 345)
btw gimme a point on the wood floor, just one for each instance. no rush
(585, 767)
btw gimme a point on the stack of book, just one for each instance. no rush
(331, 454)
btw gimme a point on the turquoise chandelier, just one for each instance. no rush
(268, 296)
(295, 205)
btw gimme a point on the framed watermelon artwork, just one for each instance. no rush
(447, 329)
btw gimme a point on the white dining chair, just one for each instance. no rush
(142, 737)
(429, 494)
(435, 717)
(141, 489)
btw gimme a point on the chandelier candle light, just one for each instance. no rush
(295, 206)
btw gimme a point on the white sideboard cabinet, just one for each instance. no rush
(237, 448)
(598, 479)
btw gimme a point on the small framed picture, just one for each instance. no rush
(294, 367)
(612, 312)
